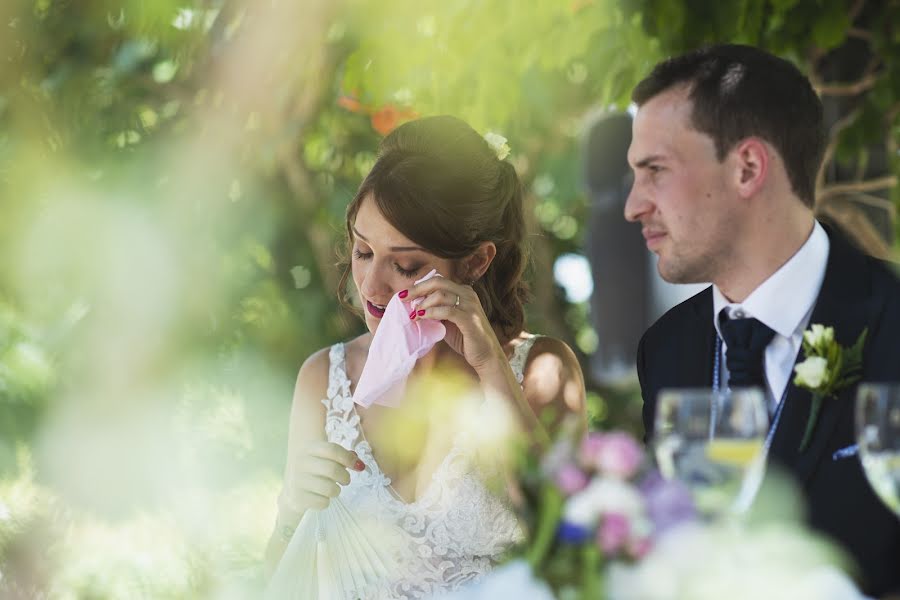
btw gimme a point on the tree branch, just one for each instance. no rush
(847, 89)
(833, 139)
(837, 189)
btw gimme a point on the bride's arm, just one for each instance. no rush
(314, 466)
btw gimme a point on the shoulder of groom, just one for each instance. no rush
(682, 318)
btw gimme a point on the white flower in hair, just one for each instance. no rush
(498, 144)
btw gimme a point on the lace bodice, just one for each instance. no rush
(453, 534)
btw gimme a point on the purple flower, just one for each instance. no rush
(613, 533)
(570, 479)
(668, 502)
(617, 453)
(571, 533)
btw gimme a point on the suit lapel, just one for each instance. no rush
(695, 359)
(844, 303)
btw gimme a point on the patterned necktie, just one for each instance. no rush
(745, 342)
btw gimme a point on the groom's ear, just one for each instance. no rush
(479, 261)
(752, 157)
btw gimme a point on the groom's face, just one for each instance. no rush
(680, 194)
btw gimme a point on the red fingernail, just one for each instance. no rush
(404, 294)
(412, 315)
(359, 465)
(421, 312)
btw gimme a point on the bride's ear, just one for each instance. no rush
(479, 261)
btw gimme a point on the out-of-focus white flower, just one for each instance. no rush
(603, 495)
(775, 561)
(513, 580)
(818, 335)
(498, 144)
(812, 372)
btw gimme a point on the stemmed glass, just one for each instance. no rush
(878, 436)
(712, 442)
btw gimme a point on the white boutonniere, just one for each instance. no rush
(827, 369)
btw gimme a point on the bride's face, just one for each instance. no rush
(385, 262)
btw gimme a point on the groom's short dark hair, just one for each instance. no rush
(742, 91)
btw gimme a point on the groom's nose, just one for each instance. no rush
(636, 205)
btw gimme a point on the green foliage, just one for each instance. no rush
(173, 180)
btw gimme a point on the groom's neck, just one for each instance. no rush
(765, 246)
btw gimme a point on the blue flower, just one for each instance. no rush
(572, 534)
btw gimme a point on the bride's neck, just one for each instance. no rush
(440, 354)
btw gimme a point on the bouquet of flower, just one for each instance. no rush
(591, 501)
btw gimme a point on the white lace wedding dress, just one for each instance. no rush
(450, 536)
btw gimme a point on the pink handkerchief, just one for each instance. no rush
(398, 343)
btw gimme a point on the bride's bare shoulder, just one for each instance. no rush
(553, 378)
(312, 379)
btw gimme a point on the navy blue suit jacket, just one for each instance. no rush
(858, 292)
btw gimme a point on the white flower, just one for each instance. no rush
(812, 372)
(603, 495)
(498, 144)
(818, 336)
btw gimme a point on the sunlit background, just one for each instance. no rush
(173, 177)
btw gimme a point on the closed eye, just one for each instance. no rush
(409, 273)
(362, 255)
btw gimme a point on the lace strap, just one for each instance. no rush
(520, 357)
(338, 382)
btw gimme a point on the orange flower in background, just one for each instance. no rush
(386, 118)
(352, 104)
(577, 5)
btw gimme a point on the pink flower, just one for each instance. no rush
(615, 453)
(639, 548)
(613, 532)
(570, 479)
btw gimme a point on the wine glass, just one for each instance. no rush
(712, 442)
(878, 436)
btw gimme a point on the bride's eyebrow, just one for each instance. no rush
(393, 248)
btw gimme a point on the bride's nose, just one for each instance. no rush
(376, 284)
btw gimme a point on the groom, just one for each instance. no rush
(726, 145)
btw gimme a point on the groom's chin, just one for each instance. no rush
(671, 273)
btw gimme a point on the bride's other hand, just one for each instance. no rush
(315, 467)
(469, 331)
(320, 469)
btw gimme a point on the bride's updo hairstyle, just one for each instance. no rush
(439, 183)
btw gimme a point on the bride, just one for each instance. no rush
(438, 198)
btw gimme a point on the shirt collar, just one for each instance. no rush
(783, 301)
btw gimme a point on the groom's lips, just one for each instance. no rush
(653, 238)
(374, 310)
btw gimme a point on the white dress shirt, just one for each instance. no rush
(784, 302)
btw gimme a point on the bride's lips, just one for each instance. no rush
(374, 310)
(653, 237)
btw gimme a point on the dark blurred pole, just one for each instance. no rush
(615, 250)
(629, 295)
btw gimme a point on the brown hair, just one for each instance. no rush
(439, 183)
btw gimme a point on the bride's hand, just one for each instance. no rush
(320, 467)
(468, 330)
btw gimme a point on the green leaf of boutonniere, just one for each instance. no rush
(827, 369)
